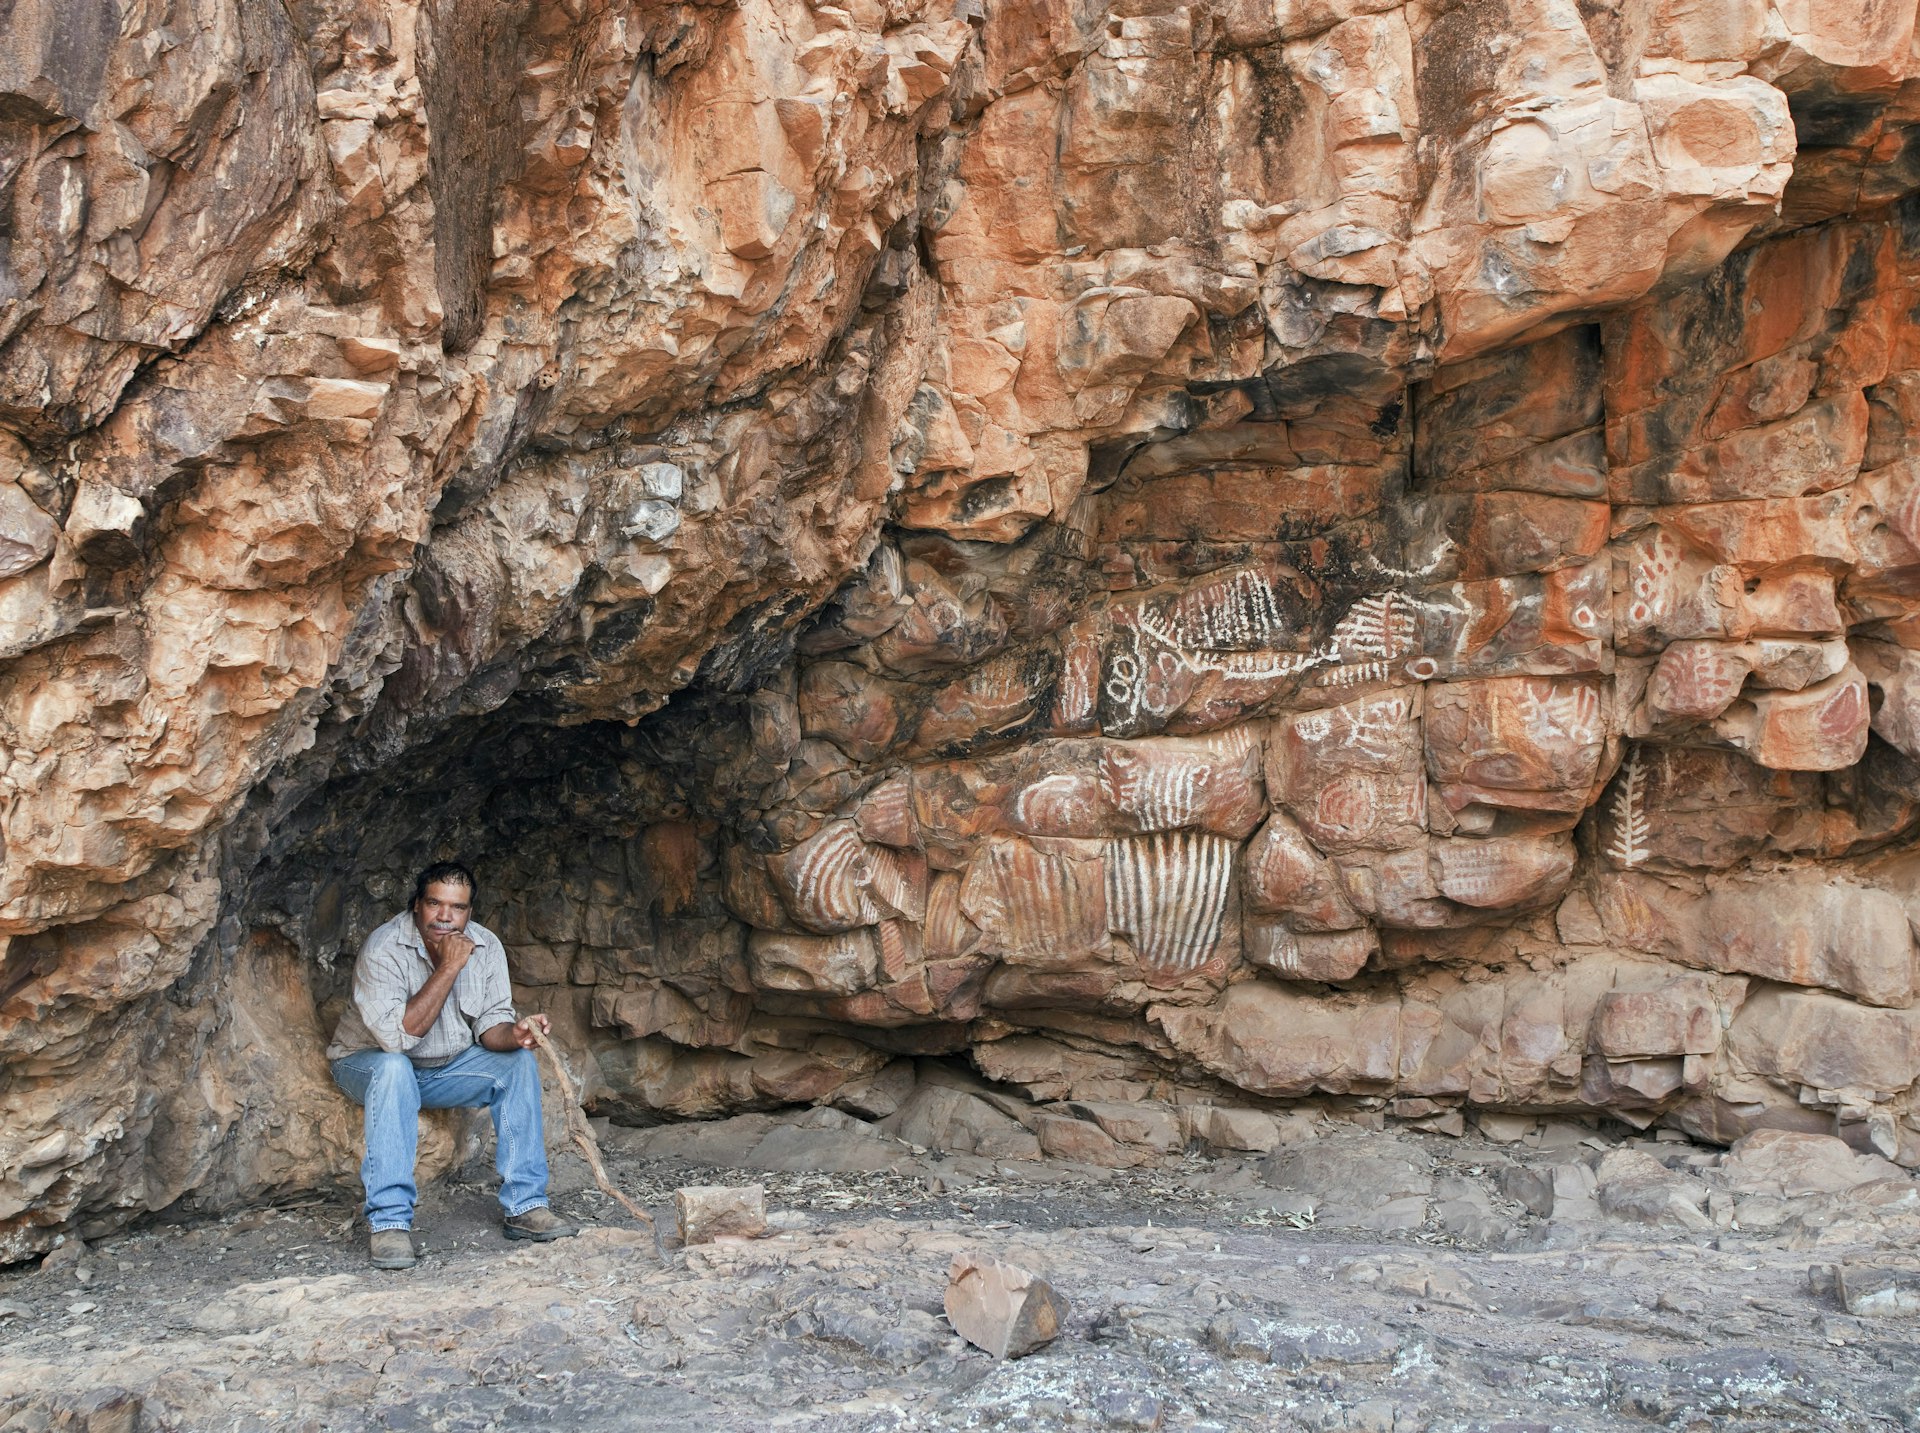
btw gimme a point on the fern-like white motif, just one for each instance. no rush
(1375, 631)
(1630, 825)
(1379, 626)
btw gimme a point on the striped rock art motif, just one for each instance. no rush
(1236, 743)
(1168, 894)
(897, 883)
(1239, 614)
(1077, 689)
(1233, 799)
(1003, 682)
(948, 933)
(1156, 791)
(885, 814)
(900, 947)
(1038, 903)
(824, 880)
(1503, 872)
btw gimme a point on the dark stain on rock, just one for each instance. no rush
(1302, 385)
(617, 633)
(1906, 221)
(1277, 105)
(472, 66)
(1823, 119)
(1456, 71)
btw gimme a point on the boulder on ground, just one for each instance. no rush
(712, 1211)
(956, 1122)
(1637, 1187)
(1225, 1127)
(1787, 1162)
(1062, 1136)
(1144, 1123)
(1001, 1307)
(1879, 1290)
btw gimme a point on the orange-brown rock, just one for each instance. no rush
(1352, 550)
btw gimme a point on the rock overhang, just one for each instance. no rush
(1499, 573)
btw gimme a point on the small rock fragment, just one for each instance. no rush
(64, 1255)
(1411, 1274)
(1001, 1307)
(1879, 1290)
(1505, 1128)
(711, 1211)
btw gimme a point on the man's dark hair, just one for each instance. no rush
(443, 871)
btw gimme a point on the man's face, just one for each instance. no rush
(445, 908)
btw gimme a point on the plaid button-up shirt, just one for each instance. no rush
(392, 967)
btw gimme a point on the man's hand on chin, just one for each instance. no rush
(449, 948)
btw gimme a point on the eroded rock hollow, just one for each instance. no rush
(1225, 552)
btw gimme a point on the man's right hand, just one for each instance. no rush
(450, 951)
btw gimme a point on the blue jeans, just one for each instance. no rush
(394, 1090)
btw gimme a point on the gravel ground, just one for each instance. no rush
(1201, 1296)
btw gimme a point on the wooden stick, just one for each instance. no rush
(581, 1131)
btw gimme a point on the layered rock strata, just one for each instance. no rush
(1215, 551)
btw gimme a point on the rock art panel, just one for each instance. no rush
(1514, 744)
(1351, 774)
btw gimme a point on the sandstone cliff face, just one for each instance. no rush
(1235, 550)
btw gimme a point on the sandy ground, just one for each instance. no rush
(1203, 1297)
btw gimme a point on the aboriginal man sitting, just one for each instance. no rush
(431, 1026)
